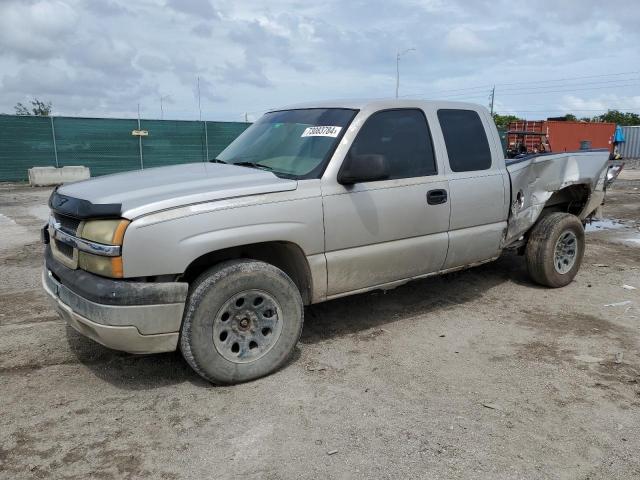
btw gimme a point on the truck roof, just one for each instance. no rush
(381, 104)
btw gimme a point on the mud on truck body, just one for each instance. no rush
(311, 203)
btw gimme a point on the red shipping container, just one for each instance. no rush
(562, 136)
(567, 136)
(532, 142)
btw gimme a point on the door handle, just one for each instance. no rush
(436, 197)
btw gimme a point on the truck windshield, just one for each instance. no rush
(290, 143)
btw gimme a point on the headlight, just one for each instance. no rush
(612, 173)
(108, 232)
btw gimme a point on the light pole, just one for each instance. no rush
(398, 67)
(162, 98)
(199, 107)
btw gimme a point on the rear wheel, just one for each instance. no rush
(242, 320)
(555, 249)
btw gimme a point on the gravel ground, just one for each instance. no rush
(478, 374)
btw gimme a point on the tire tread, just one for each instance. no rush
(540, 249)
(199, 289)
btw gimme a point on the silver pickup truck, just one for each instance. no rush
(311, 203)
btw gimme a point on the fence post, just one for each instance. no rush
(55, 147)
(206, 140)
(140, 141)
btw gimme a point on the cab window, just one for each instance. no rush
(403, 138)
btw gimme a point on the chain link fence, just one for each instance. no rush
(107, 145)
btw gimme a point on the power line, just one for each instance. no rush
(484, 87)
(461, 97)
(566, 110)
(481, 93)
(541, 105)
(535, 84)
(635, 84)
(599, 82)
(571, 78)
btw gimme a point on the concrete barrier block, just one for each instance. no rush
(47, 176)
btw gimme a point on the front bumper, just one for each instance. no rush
(124, 320)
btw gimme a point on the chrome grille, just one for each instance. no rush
(63, 252)
(63, 248)
(67, 224)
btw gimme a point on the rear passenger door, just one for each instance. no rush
(381, 231)
(478, 192)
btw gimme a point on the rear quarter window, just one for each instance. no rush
(465, 139)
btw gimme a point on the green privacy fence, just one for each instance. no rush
(106, 145)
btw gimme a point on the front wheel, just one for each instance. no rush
(242, 321)
(555, 249)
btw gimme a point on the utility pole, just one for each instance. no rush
(493, 96)
(398, 55)
(199, 107)
(162, 97)
(246, 117)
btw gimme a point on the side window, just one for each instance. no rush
(402, 136)
(466, 140)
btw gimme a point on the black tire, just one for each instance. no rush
(541, 249)
(211, 293)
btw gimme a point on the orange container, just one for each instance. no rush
(562, 136)
(567, 136)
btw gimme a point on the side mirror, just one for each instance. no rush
(363, 168)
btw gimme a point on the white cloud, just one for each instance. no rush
(202, 30)
(600, 103)
(251, 72)
(35, 30)
(196, 8)
(462, 39)
(103, 57)
(152, 63)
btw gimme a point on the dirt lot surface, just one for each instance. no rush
(479, 374)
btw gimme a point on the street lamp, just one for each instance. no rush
(398, 67)
(162, 98)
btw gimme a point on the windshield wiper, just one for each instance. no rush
(217, 160)
(253, 165)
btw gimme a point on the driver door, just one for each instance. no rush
(384, 231)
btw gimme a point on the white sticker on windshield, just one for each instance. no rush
(321, 131)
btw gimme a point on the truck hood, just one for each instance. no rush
(146, 191)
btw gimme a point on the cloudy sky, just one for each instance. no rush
(103, 57)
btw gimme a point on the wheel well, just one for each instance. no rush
(571, 199)
(287, 256)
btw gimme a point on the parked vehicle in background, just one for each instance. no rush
(310, 203)
(523, 145)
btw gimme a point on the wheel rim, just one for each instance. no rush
(566, 252)
(247, 326)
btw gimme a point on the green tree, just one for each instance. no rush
(503, 121)
(620, 118)
(38, 108)
(570, 117)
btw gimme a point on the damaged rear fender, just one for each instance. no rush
(572, 181)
